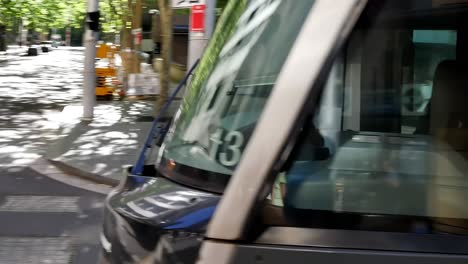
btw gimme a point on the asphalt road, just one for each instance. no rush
(41, 220)
(44, 221)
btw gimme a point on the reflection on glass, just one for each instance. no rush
(387, 149)
(210, 133)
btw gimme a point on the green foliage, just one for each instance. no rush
(224, 29)
(222, 3)
(42, 15)
(112, 12)
(11, 10)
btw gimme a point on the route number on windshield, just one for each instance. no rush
(234, 141)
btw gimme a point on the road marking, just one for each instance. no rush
(33, 250)
(48, 204)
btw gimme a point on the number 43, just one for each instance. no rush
(234, 140)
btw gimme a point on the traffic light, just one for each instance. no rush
(92, 19)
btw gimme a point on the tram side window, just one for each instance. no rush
(431, 47)
(394, 76)
(388, 148)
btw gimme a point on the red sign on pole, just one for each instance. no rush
(137, 36)
(198, 18)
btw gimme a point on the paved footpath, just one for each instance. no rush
(101, 149)
(55, 169)
(12, 52)
(46, 215)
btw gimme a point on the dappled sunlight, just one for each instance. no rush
(116, 134)
(25, 159)
(100, 167)
(41, 111)
(31, 90)
(14, 134)
(21, 146)
(53, 78)
(88, 145)
(10, 149)
(108, 143)
(116, 145)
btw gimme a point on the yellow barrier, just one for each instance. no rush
(108, 72)
(104, 81)
(106, 51)
(106, 77)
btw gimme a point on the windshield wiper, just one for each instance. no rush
(185, 144)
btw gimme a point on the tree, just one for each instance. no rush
(112, 13)
(41, 15)
(224, 29)
(165, 8)
(9, 12)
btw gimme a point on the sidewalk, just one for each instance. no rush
(101, 149)
(12, 51)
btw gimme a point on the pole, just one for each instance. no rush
(68, 36)
(20, 32)
(155, 30)
(68, 29)
(199, 40)
(89, 82)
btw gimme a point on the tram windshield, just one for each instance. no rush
(216, 120)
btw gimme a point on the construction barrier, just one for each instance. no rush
(104, 81)
(106, 72)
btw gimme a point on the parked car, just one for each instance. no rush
(291, 146)
(34, 50)
(55, 43)
(47, 46)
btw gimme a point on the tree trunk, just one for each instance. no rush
(156, 34)
(165, 7)
(3, 46)
(126, 42)
(136, 25)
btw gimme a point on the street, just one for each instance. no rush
(44, 221)
(41, 220)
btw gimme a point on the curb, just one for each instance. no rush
(48, 169)
(145, 97)
(96, 178)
